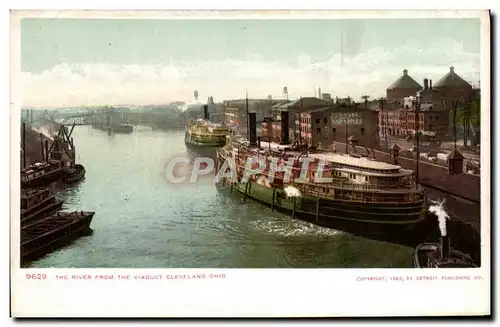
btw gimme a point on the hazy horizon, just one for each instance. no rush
(93, 62)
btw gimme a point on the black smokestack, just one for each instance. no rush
(41, 146)
(284, 128)
(47, 150)
(252, 124)
(205, 112)
(24, 145)
(445, 248)
(430, 84)
(426, 83)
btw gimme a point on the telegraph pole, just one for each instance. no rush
(417, 125)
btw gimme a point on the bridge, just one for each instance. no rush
(113, 117)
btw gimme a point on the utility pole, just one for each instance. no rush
(417, 132)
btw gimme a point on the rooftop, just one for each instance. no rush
(405, 82)
(352, 161)
(452, 79)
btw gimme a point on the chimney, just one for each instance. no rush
(252, 121)
(430, 84)
(284, 128)
(24, 145)
(445, 248)
(426, 83)
(205, 112)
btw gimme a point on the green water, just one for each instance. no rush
(144, 221)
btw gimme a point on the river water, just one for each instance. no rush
(144, 221)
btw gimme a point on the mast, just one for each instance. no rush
(246, 106)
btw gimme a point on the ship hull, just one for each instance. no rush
(192, 139)
(333, 213)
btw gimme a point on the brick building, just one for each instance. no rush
(323, 126)
(272, 130)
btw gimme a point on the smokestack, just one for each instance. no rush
(24, 145)
(47, 150)
(284, 128)
(430, 84)
(41, 146)
(205, 112)
(426, 83)
(445, 248)
(252, 121)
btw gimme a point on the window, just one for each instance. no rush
(366, 178)
(318, 130)
(325, 120)
(317, 121)
(362, 131)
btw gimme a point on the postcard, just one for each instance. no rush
(250, 163)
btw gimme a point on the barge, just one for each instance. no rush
(53, 232)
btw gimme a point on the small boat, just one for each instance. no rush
(74, 174)
(434, 255)
(42, 174)
(37, 204)
(53, 232)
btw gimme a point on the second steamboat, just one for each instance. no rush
(351, 189)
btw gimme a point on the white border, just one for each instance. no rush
(258, 292)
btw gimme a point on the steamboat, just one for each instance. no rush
(354, 189)
(203, 133)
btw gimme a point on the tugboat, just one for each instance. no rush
(204, 133)
(53, 232)
(358, 191)
(74, 174)
(37, 204)
(433, 255)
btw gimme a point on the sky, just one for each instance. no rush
(85, 62)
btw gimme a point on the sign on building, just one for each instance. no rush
(353, 118)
